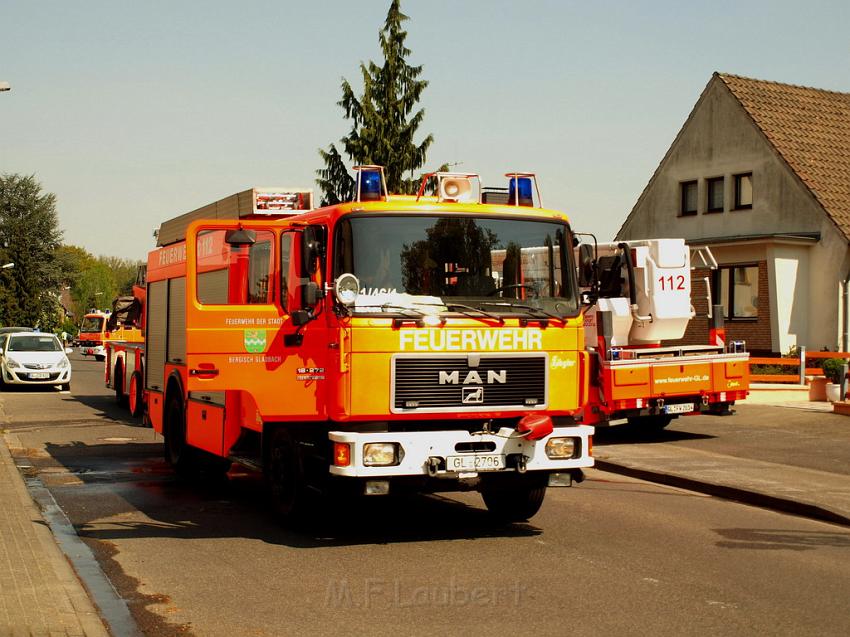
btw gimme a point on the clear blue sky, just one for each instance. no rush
(133, 112)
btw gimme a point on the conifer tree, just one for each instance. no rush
(383, 121)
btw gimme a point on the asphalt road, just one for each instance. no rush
(611, 556)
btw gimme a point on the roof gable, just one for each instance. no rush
(810, 129)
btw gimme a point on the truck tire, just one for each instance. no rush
(650, 423)
(284, 474)
(514, 497)
(135, 400)
(178, 453)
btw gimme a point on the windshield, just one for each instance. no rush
(46, 343)
(498, 265)
(92, 324)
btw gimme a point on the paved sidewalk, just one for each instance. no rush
(39, 591)
(789, 459)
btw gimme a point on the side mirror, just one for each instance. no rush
(311, 249)
(586, 265)
(310, 294)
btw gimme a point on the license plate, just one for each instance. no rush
(37, 375)
(682, 408)
(479, 462)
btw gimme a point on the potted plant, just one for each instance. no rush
(832, 369)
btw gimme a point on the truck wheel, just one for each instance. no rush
(118, 383)
(135, 400)
(650, 423)
(514, 497)
(284, 475)
(177, 453)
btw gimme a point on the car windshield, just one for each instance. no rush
(30, 343)
(458, 263)
(92, 324)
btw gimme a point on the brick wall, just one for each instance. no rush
(755, 332)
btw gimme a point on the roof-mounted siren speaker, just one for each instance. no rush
(521, 189)
(454, 187)
(371, 185)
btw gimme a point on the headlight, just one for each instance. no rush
(560, 448)
(12, 363)
(381, 454)
(63, 363)
(346, 287)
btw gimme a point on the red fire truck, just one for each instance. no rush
(124, 347)
(431, 343)
(639, 307)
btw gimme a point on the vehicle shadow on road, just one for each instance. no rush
(626, 434)
(106, 406)
(779, 540)
(133, 478)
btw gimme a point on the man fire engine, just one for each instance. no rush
(431, 343)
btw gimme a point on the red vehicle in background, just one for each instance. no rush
(93, 334)
(124, 347)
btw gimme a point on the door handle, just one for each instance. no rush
(204, 371)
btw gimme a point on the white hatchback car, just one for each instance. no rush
(34, 358)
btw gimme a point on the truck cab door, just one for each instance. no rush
(242, 343)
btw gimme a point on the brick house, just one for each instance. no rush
(760, 173)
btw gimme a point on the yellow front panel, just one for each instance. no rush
(373, 342)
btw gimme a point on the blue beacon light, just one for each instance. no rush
(370, 185)
(521, 187)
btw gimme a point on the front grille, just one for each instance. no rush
(37, 365)
(512, 382)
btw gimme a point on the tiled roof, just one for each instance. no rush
(810, 129)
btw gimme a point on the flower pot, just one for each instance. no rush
(833, 392)
(817, 388)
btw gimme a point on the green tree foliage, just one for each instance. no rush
(383, 121)
(29, 236)
(94, 282)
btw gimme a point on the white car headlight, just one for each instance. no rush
(63, 363)
(11, 363)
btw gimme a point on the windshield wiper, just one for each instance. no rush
(474, 312)
(538, 312)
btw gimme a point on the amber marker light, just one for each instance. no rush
(342, 454)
